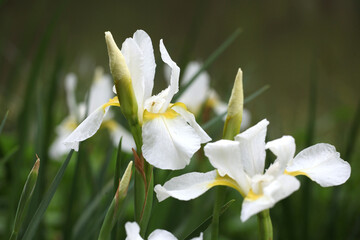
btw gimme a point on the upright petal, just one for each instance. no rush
(225, 156)
(252, 145)
(134, 59)
(175, 73)
(160, 234)
(187, 186)
(132, 231)
(169, 142)
(275, 191)
(190, 119)
(70, 86)
(322, 164)
(284, 149)
(144, 43)
(100, 92)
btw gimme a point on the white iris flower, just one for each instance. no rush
(240, 164)
(98, 94)
(133, 233)
(170, 133)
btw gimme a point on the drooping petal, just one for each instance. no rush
(100, 92)
(276, 190)
(135, 62)
(190, 119)
(252, 145)
(187, 186)
(160, 234)
(117, 132)
(175, 74)
(144, 43)
(196, 94)
(225, 156)
(284, 149)
(169, 142)
(132, 231)
(86, 129)
(322, 164)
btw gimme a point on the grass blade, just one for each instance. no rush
(35, 221)
(3, 121)
(210, 60)
(205, 224)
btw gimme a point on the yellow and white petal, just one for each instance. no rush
(132, 231)
(168, 141)
(282, 187)
(135, 61)
(117, 132)
(187, 186)
(175, 74)
(190, 119)
(86, 129)
(160, 234)
(225, 156)
(252, 146)
(284, 149)
(322, 164)
(196, 94)
(144, 43)
(100, 92)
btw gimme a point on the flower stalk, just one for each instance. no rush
(265, 225)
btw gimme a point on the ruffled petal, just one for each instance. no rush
(169, 142)
(190, 119)
(284, 149)
(86, 129)
(132, 231)
(160, 234)
(276, 190)
(187, 186)
(252, 145)
(196, 94)
(225, 156)
(175, 73)
(144, 43)
(322, 164)
(135, 62)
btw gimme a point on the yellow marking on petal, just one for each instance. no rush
(251, 196)
(110, 124)
(179, 104)
(169, 114)
(71, 125)
(225, 181)
(112, 102)
(296, 173)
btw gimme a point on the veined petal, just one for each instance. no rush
(175, 73)
(160, 234)
(144, 43)
(100, 92)
(225, 156)
(284, 149)
(252, 145)
(280, 188)
(168, 141)
(196, 94)
(187, 186)
(116, 132)
(135, 62)
(132, 231)
(322, 164)
(90, 125)
(190, 119)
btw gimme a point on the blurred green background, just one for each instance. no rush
(306, 51)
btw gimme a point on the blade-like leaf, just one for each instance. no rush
(3, 121)
(34, 223)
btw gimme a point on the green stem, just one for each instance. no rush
(265, 226)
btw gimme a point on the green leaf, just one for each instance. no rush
(210, 60)
(3, 121)
(35, 220)
(205, 224)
